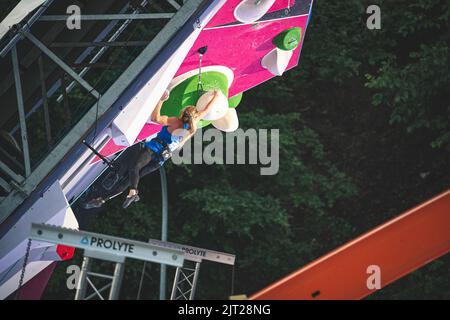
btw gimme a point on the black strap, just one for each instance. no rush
(104, 159)
(161, 142)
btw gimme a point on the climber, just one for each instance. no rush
(174, 133)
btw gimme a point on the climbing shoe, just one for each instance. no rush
(94, 203)
(130, 200)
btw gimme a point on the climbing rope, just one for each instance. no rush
(200, 84)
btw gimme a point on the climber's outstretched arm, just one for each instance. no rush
(156, 114)
(204, 112)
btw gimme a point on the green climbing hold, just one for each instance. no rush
(289, 39)
(234, 101)
(185, 93)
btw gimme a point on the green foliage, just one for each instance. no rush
(405, 64)
(414, 80)
(418, 92)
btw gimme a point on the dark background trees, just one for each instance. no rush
(364, 135)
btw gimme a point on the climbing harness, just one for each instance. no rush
(165, 154)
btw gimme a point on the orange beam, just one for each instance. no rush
(398, 247)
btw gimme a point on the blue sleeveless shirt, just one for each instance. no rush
(164, 135)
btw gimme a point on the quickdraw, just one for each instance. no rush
(201, 52)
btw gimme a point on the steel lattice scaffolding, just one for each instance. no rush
(186, 259)
(185, 282)
(51, 71)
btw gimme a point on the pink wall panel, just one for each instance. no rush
(241, 48)
(227, 12)
(111, 148)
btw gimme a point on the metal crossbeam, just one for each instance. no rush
(98, 65)
(196, 254)
(17, 177)
(61, 64)
(99, 275)
(101, 245)
(11, 158)
(123, 16)
(5, 185)
(98, 292)
(21, 109)
(48, 130)
(174, 4)
(98, 44)
(18, 188)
